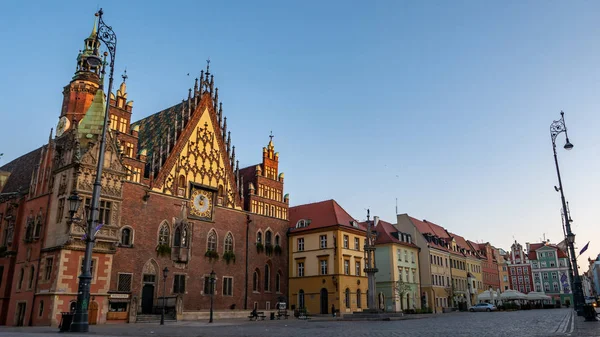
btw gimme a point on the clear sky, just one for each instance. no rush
(444, 105)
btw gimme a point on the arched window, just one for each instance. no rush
(278, 282)
(212, 241)
(268, 238)
(347, 298)
(267, 277)
(229, 243)
(21, 278)
(272, 210)
(177, 238)
(126, 237)
(276, 240)
(181, 183)
(358, 293)
(31, 277)
(255, 281)
(38, 227)
(163, 235)
(184, 236)
(259, 237)
(301, 299)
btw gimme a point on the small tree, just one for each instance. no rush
(402, 288)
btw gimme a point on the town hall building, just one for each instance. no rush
(174, 202)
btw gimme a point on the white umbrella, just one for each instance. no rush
(513, 295)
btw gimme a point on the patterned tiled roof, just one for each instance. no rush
(20, 171)
(321, 214)
(155, 127)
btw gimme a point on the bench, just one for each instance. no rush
(259, 314)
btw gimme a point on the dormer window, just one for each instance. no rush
(302, 223)
(354, 224)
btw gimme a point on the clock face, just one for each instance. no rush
(63, 125)
(201, 203)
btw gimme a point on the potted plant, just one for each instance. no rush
(211, 254)
(229, 256)
(163, 250)
(269, 249)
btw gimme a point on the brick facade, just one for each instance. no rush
(150, 169)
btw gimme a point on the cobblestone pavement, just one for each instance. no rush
(583, 328)
(537, 323)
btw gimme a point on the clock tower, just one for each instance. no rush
(79, 93)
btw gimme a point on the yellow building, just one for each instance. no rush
(326, 259)
(502, 269)
(475, 276)
(434, 261)
(458, 268)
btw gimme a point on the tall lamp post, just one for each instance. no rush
(106, 35)
(556, 128)
(162, 314)
(212, 293)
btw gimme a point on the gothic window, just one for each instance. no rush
(38, 227)
(255, 281)
(267, 278)
(181, 186)
(184, 236)
(163, 235)
(31, 277)
(278, 282)
(268, 238)
(276, 240)
(21, 275)
(259, 237)
(177, 237)
(229, 243)
(126, 237)
(29, 229)
(212, 241)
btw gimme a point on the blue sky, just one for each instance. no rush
(445, 106)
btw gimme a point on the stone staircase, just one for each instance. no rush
(153, 318)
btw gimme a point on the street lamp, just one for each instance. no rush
(162, 314)
(556, 128)
(212, 292)
(80, 323)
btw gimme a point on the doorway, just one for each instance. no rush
(324, 304)
(21, 313)
(147, 298)
(93, 313)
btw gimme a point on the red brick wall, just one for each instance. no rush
(146, 218)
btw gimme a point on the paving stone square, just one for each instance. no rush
(537, 323)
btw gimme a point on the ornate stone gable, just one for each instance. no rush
(201, 156)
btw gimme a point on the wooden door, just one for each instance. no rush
(93, 313)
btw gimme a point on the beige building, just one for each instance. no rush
(502, 269)
(434, 260)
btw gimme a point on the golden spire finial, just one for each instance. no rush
(95, 28)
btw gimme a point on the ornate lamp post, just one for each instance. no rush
(212, 293)
(162, 314)
(106, 35)
(556, 128)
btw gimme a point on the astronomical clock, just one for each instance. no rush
(201, 201)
